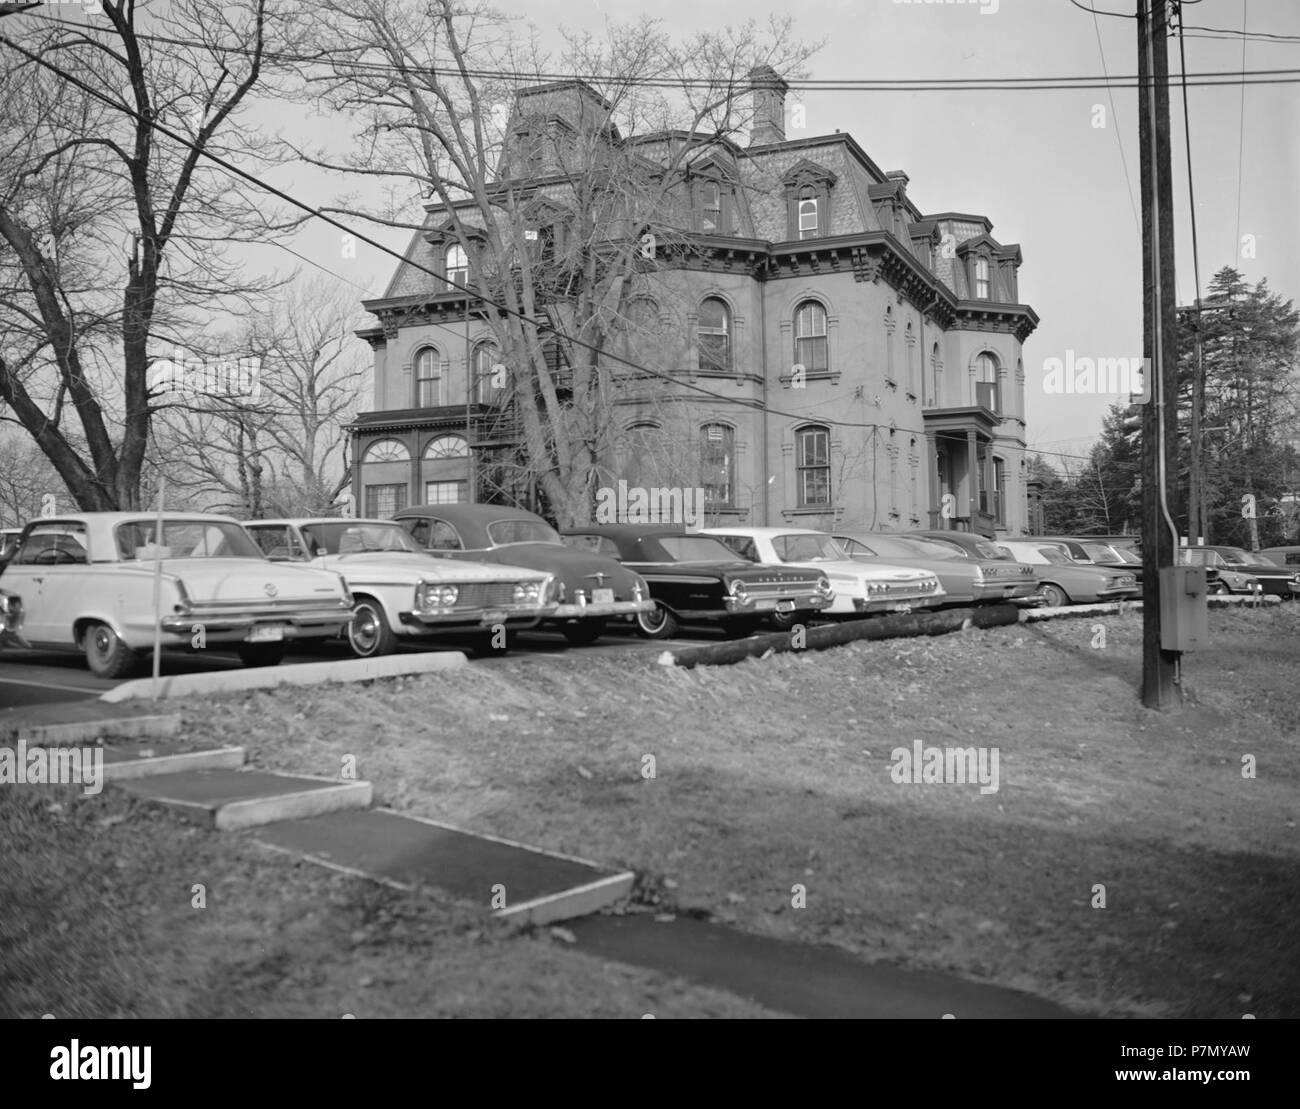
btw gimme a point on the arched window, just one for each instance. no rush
(490, 377)
(813, 466)
(909, 338)
(986, 382)
(718, 466)
(386, 450)
(457, 264)
(809, 213)
(428, 379)
(715, 335)
(936, 376)
(447, 446)
(810, 345)
(889, 346)
(644, 460)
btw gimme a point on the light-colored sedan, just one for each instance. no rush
(966, 580)
(1062, 581)
(87, 583)
(402, 591)
(860, 588)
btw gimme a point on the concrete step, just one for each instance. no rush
(125, 761)
(72, 722)
(521, 883)
(228, 799)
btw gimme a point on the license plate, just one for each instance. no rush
(266, 633)
(785, 606)
(493, 618)
(602, 596)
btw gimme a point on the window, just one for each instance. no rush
(718, 466)
(999, 490)
(981, 278)
(428, 379)
(444, 492)
(384, 500)
(715, 336)
(890, 379)
(710, 208)
(489, 374)
(386, 450)
(596, 544)
(279, 542)
(52, 544)
(742, 545)
(447, 446)
(457, 264)
(986, 383)
(810, 345)
(813, 461)
(809, 214)
(646, 456)
(909, 338)
(936, 374)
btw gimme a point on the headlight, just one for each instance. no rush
(738, 590)
(528, 591)
(824, 584)
(432, 594)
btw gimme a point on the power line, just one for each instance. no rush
(1241, 133)
(302, 206)
(1210, 78)
(1110, 94)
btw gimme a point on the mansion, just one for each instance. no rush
(826, 354)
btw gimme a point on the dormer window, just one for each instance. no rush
(809, 223)
(457, 264)
(981, 279)
(710, 208)
(715, 207)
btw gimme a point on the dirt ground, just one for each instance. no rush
(770, 778)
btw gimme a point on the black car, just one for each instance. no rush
(1096, 552)
(593, 589)
(697, 579)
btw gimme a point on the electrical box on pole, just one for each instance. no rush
(1183, 622)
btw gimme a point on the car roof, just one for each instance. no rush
(630, 531)
(745, 529)
(307, 521)
(456, 513)
(112, 518)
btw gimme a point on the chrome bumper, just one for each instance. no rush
(803, 603)
(452, 619)
(228, 625)
(608, 608)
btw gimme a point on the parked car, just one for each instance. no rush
(1062, 581)
(696, 579)
(995, 563)
(592, 589)
(402, 591)
(965, 581)
(87, 584)
(11, 619)
(1236, 567)
(860, 588)
(1282, 556)
(1095, 552)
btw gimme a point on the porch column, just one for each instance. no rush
(972, 465)
(932, 461)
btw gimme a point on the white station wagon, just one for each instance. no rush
(87, 583)
(860, 588)
(403, 591)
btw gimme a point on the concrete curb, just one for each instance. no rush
(268, 677)
(95, 725)
(221, 758)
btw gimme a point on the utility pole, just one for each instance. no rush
(1159, 414)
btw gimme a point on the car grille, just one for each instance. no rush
(485, 594)
(767, 588)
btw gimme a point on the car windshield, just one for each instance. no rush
(349, 538)
(696, 548)
(1054, 555)
(137, 540)
(1199, 558)
(807, 548)
(1098, 552)
(991, 550)
(1235, 556)
(520, 529)
(1125, 555)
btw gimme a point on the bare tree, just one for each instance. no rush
(553, 218)
(116, 234)
(28, 483)
(282, 451)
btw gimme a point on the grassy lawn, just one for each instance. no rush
(768, 774)
(98, 921)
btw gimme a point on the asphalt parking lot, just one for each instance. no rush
(49, 677)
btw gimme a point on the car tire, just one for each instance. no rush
(659, 624)
(106, 654)
(369, 632)
(479, 645)
(785, 621)
(261, 654)
(1218, 589)
(584, 632)
(1054, 596)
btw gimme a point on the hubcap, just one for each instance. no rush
(365, 629)
(100, 641)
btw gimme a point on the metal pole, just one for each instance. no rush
(157, 584)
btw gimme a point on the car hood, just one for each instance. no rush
(245, 579)
(412, 566)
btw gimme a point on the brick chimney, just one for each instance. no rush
(769, 106)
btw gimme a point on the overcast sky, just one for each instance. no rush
(1031, 161)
